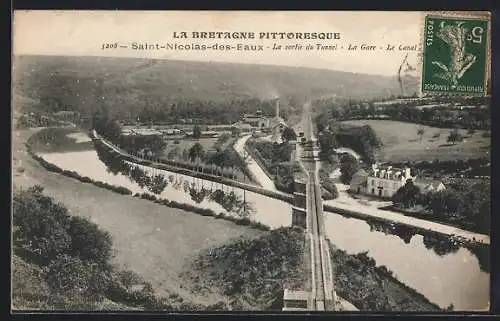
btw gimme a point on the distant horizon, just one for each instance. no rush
(211, 61)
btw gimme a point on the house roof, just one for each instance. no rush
(359, 177)
(428, 184)
(253, 117)
(361, 172)
(241, 125)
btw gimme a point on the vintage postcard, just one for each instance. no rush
(251, 161)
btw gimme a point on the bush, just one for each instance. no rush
(28, 283)
(41, 225)
(88, 242)
(70, 276)
(129, 288)
(330, 187)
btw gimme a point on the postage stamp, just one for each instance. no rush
(455, 55)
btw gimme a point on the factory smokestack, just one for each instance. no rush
(277, 108)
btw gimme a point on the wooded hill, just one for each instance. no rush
(127, 86)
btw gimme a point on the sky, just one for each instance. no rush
(82, 33)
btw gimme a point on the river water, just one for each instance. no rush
(453, 278)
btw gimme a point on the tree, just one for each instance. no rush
(174, 153)
(327, 143)
(454, 136)
(288, 134)
(348, 167)
(219, 158)
(475, 204)
(420, 132)
(196, 151)
(88, 242)
(443, 203)
(372, 109)
(157, 145)
(408, 195)
(196, 132)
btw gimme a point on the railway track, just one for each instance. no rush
(321, 285)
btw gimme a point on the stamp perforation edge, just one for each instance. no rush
(483, 16)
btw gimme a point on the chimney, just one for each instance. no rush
(277, 108)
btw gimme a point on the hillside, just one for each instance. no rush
(254, 272)
(127, 84)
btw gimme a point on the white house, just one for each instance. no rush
(380, 181)
(385, 181)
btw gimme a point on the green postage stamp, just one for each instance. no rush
(455, 55)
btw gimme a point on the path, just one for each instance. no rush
(395, 217)
(342, 150)
(259, 174)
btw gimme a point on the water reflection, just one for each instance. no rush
(156, 183)
(438, 243)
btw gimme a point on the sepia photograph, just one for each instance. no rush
(277, 161)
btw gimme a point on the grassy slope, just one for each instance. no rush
(150, 239)
(401, 142)
(135, 78)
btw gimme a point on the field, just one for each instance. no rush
(186, 144)
(59, 139)
(154, 241)
(401, 142)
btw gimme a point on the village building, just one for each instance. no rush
(385, 181)
(427, 186)
(257, 120)
(259, 123)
